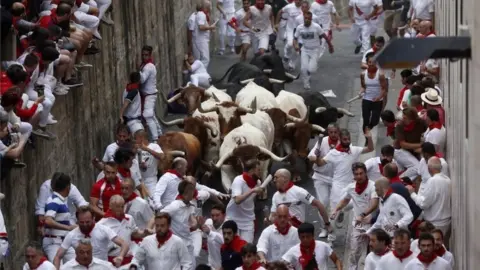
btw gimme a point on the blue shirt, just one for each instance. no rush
(57, 209)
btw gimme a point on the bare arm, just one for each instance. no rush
(374, 13)
(336, 261)
(122, 244)
(246, 20)
(279, 17)
(155, 154)
(240, 198)
(321, 209)
(272, 21)
(350, 13)
(373, 206)
(370, 146)
(383, 85)
(95, 208)
(220, 8)
(363, 86)
(51, 223)
(58, 257)
(410, 146)
(342, 204)
(126, 102)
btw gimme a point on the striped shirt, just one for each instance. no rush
(57, 209)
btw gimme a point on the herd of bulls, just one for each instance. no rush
(252, 117)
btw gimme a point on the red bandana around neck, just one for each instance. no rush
(441, 251)
(125, 173)
(419, 108)
(254, 266)
(144, 63)
(109, 214)
(409, 127)
(236, 244)
(396, 179)
(207, 14)
(390, 129)
(340, 148)
(374, 48)
(332, 143)
(42, 260)
(387, 194)
(251, 183)
(162, 239)
(260, 6)
(88, 234)
(195, 196)
(307, 255)
(131, 197)
(380, 168)
(132, 86)
(321, 2)
(360, 188)
(172, 171)
(434, 125)
(289, 186)
(384, 252)
(285, 230)
(404, 256)
(425, 260)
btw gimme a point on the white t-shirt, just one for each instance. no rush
(228, 5)
(322, 252)
(123, 229)
(180, 213)
(361, 9)
(201, 19)
(300, 19)
(198, 67)
(342, 164)
(296, 198)
(150, 161)
(372, 260)
(422, 9)
(243, 214)
(390, 262)
(134, 109)
(436, 137)
(261, 20)
(274, 245)
(292, 11)
(438, 264)
(325, 172)
(110, 152)
(191, 23)
(309, 36)
(361, 202)
(324, 13)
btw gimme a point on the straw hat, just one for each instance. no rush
(431, 97)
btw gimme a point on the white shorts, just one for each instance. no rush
(262, 41)
(243, 38)
(134, 125)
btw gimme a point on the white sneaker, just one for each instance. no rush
(51, 121)
(62, 86)
(60, 91)
(323, 233)
(331, 238)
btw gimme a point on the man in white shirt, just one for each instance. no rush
(135, 206)
(201, 39)
(440, 249)
(163, 250)
(241, 207)
(260, 21)
(149, 154)
(427, 259)
(277, 238)
(311, 35)
(35, 259)
(342, 159)
(167, 186)
(122, 135)
(394, 210)
(292, 11)
(213, 229)
(435, 197)
(243, 38)
(436, 132)
(401, 254)
(198, 72)
(131, 110)
(227, 11)
(375, 165)
(365, 200)
(379, 246)
(183, 216)
(84, 259)
(191, 30)
(428, 152)
(309, 253)
(325, 10)
(360, 12)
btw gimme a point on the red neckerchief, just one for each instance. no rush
(380, 168)
(404, 256)
(438, 155)
(409, 127)
(254, 266)
(441, 251)
(236, 244)
(285, 230)
(419, 108)
(132, 86)
(427, 260)
(144, 63)
(387, 194)
(360, 188)
(427, 35)
(78, 3)
(384, 252)
(396, 179)
(391, 128)
(175, 172)
(195, 196)
(132, 197)
(332, 143)
(162, 239)
(207, 14)
(109, 214)
(306, 256)
(125, 173)
(435, 124)
(374, 49)
(260, 6)
(359, 11)
(251, 183)
(321, 2)
(88, 234)
(290, 185)
(42, 260)
(341, 149)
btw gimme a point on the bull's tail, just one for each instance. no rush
(225, 75)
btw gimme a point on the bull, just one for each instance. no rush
(244, 143)
(192, 96)
(173, 142)
(320, 112)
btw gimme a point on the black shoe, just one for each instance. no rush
(73, 83)
(357, 49)
(19, 165)
(92, 50)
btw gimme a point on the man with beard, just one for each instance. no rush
(241, 207)
(365, 200)
(232, 246)
(309, 253)
(277, 238)
(427, 259)
(100, 236)
(163, 250)
(213, 229)
(408, 135)
(401, 254)
(291, 11)
(379, 246)
(376, 165)
(440, 249)
(260, 21)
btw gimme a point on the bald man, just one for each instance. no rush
(430, 66)
(124, 226)
(394, 210)
(135, 206)
(296, 198)
(277, 238)
(435, 198)
(167, 186)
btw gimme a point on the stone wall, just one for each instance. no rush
(87, 115)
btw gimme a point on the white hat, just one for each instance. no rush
(431, 97)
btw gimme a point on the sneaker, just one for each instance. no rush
(331, 238)
(107, 19)
(43, 133)
(220, 52)
(71, 83)
(339, 220)
(323, 233)
(59, 91)
(232, 50)
(83, 65)
(51, 121)
(92, 50)
(62, 86)
(19, 165)
(357, 49)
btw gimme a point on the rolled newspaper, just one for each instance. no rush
(266, 181)
(354, 98)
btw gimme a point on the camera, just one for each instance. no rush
(40, 89)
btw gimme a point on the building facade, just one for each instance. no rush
(459, 80)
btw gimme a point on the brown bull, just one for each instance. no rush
(180, 141)
(191, 96)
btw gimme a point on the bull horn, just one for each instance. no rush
(291, 76)
(172, 123)
(289, 125)
(294, 119)
(223, 159)
(177, 153)
(318, 128)
(223, 90)
(275, 81)
(320, 109)
(215, 97)
(202, 110)
(246, 81)
(345, 111)
(210, 127)
(174, 98)
(272, 155)
(268, 71)
(253, 106)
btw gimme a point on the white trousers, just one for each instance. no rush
(225, 30)
(308, 64)
(358, 246)
(154, 127)
(49, 82)
(323, 189)
(201, 51)
(376, 24)
(260, 42)
(197, 242)
(200, 79)
(51, 246)
(361, 34)
(247, 234)
(150, 183)
(134, 125)
(337, 193)
(288, 51)
(89, 21)
(192, 255)
(406, 160)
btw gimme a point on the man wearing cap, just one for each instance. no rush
(433, 100)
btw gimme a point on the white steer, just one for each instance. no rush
(292, 104)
